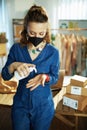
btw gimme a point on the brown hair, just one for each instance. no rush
(35, 14)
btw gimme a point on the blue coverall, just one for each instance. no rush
(33, 110)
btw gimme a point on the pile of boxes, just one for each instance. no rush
(76, 93)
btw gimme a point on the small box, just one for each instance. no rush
(76, 90)
(78, 80)
(75, 101)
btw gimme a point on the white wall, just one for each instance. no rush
(21, 7)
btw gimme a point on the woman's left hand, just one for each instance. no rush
(36, 81)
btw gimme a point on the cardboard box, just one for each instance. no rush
(76, 90)
(77, 80)
(75, 101)
(3, 50)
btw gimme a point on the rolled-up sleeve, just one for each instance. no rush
(54, 69)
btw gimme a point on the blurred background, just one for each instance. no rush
(68, 22)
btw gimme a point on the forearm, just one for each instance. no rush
(12, 68)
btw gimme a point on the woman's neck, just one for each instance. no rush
(41, 45)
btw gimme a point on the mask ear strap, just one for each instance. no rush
(27, 37)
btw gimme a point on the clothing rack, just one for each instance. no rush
(68, 46)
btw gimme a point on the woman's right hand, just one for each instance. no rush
(21, 68)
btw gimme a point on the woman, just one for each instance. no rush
(33, 107)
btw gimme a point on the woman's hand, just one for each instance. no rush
(22, 68)
(35, 82)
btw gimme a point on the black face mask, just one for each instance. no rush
(35, 40)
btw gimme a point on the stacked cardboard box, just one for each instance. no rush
(78, 81)
(76, 93)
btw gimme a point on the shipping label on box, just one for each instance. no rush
(70, 102)
(76, 90)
